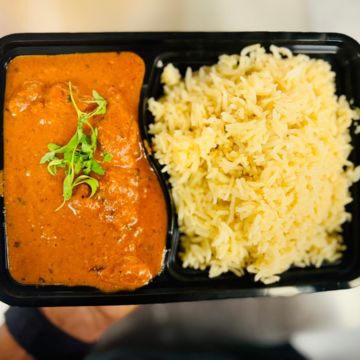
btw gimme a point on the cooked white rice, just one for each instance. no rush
(256, 147)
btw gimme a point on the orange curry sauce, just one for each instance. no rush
(112, 241)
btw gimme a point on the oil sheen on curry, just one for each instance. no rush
(109, 232)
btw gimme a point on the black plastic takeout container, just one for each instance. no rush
(183, 50)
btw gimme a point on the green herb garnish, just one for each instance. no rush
(77, 156)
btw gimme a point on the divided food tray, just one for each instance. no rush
(194, 50)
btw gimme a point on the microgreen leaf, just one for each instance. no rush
(107, 157)
(47, 157)
(97, 168)
(68, 186)
(84, 179)
(68, 157)
(86, 148)
(54, 164)
(53, 147)
(69, 147)
(101, 103)
(78, 165)
(87, 167)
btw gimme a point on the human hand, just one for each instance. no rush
(86, 323)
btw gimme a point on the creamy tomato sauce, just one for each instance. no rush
(112, 241)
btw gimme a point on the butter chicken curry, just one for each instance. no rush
(83, 206)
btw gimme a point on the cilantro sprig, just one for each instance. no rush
(77, 156)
